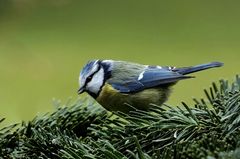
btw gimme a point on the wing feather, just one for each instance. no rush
(151, 77)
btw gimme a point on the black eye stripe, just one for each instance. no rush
(89, 78)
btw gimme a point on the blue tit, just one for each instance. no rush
(122, 86)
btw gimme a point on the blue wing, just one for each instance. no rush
(149, 78)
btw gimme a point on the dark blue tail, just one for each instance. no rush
(188, 70)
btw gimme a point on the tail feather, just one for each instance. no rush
(188, 70)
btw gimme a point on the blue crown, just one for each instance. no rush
(87, 68)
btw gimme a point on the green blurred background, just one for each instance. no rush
(45, 43)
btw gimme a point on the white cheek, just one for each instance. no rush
(96, 83)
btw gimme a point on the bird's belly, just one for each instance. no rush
(113, 100)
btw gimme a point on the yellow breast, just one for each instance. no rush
(113, 100)
(110, 98)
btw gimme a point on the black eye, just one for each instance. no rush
(89, 78)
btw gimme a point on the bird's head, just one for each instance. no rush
(93, 76)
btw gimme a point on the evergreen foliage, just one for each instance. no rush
(209, 129)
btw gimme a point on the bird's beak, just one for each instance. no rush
(81, 90)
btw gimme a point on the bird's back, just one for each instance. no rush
(123, 71)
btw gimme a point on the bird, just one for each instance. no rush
(126, 86)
